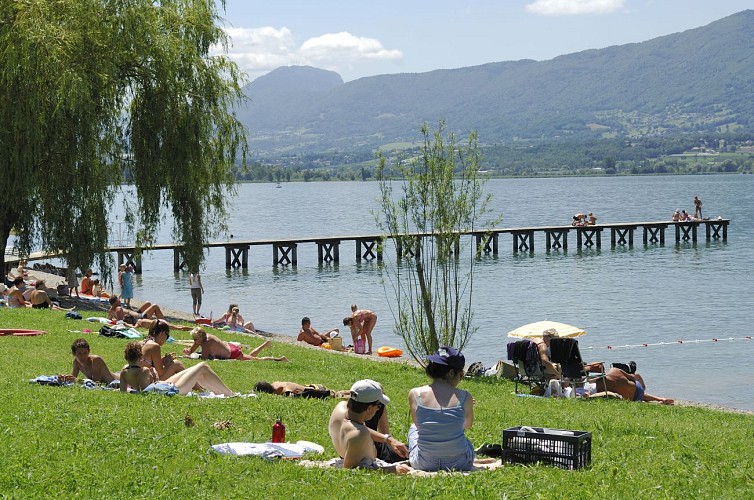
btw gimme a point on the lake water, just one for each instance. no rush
(620, 296)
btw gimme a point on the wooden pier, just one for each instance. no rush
(369, 247)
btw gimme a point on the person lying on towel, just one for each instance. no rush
(92, 366)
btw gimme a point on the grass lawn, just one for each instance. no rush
(72, 442)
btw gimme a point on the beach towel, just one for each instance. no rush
(60, 381)
(269, 451)
(480, 464)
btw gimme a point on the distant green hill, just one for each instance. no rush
(698, 80)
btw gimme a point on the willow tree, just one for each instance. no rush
(96, 94)
(441, 197)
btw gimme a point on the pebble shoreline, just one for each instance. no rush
(52, 281)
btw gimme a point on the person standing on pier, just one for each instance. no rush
(197, 289)
(697, 208)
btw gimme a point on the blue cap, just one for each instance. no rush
(449, 356)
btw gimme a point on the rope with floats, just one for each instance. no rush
(676, 342)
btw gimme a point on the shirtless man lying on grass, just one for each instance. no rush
(349, 433)
(630, 386)
(92, 366)
(215, 348)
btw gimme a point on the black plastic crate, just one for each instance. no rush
(562, 448)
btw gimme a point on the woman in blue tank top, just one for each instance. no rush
(441, 413)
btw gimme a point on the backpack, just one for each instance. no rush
(72, 315)
(117, 331)
(358, 345)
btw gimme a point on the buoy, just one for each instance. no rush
(389, 352)
(19, 332)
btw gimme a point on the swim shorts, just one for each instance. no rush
(43, 305)
(639, 394)
(235, 351)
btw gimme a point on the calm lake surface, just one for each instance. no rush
(621, 297)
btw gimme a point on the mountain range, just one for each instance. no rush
(697, 80)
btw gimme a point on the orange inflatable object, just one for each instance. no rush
(389, 352)
(325, 345)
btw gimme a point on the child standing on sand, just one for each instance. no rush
(126, 285)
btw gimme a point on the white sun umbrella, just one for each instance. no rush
(537, 329)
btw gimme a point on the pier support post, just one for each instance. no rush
(236, 256)
(128, 257)
(654, 233)
(714, 228)
(486, 243)
(618, 236)
(523, 241)
(556, 239)
(588, 236)
(284, 254)
(328, 251)
(372, 249)
(685, 231)
(178, 259)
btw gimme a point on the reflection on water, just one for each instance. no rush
(621, 296)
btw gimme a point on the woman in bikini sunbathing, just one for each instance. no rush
(165, 366)
(140, 378)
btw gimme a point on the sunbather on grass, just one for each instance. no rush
(146, 311)
(631, 386)
(92, 366)
(215, 348)
(165, 366)
(140, 378)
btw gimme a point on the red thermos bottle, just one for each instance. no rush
(278, 431)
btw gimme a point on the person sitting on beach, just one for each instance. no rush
(311, 336)
(140, 378)
(215, 348)
(97, 290)
(350, 436)
(118, 313)
(87, 283)
(441, 413)
(15, 295)
(592, 220)
(165, 366)
(543, 346)
(40, 300)
(92, 366)
(233, 319)
(676, 216)
(631, 386)
(293, 389)
(361, 322)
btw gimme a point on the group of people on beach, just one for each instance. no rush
(361, 323)
(624, 381)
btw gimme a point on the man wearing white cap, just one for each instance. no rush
(351, 437)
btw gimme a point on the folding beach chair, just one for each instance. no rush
(572, 370)
(528, 365)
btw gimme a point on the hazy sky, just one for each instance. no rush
(363, 38)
